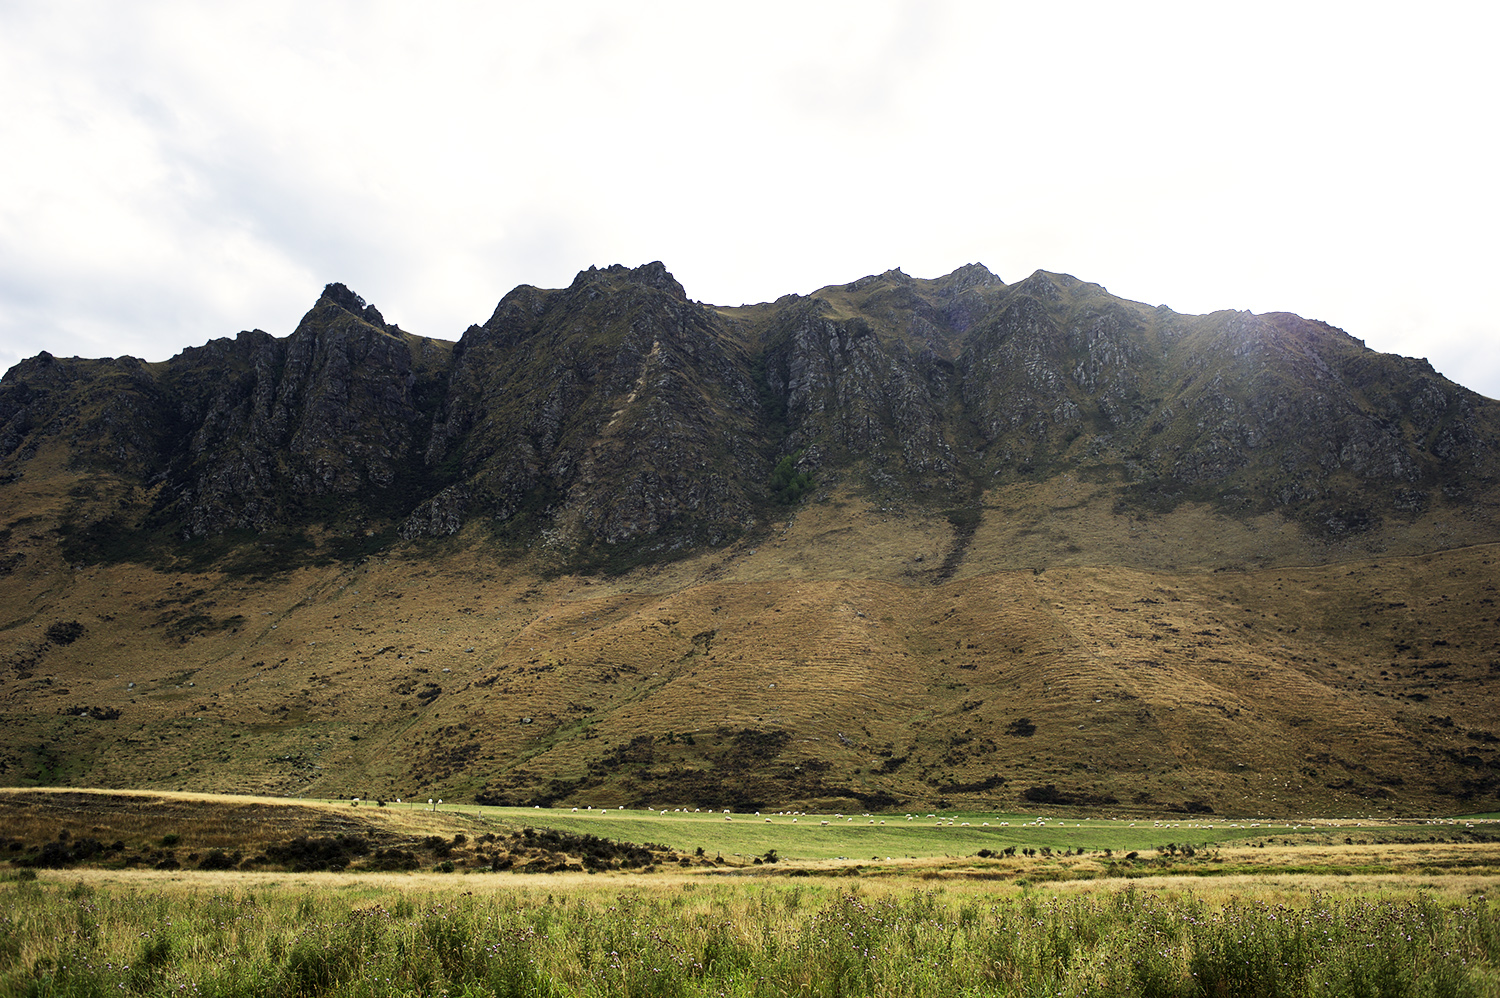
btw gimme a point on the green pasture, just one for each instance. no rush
(858, 836)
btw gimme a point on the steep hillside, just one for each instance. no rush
(897, 543)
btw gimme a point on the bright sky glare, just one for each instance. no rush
(174, 171)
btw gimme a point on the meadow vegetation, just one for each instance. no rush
(508, 901)
(682, 937)
(62, 828)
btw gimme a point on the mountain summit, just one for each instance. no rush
(630, 423)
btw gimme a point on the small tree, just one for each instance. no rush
(788, 485)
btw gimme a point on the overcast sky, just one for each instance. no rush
(172, 172)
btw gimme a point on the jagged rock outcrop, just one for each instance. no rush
(610, 411)
(110, 414)
(616, 417)
(326, 423)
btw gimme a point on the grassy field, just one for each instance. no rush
(144, 830)
(931, 905)
(680, 935)
(915, 834)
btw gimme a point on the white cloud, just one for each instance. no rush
(177, 171)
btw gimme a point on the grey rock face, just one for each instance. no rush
(618, 415)
(327, 415)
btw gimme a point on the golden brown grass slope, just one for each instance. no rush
(164, 832)
(853, 656)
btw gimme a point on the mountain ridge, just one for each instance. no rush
(1004, 375)
(1005, 490)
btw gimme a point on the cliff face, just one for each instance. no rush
(617, 419)
(610, 412)
(329, 420)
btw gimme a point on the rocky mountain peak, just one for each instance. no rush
(652, 275)
(340, 295)
(1041, 285)
(970, 275)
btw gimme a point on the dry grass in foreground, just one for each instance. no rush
(92, 932)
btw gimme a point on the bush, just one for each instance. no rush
(1021, 727)
(217, 859)
(303, 855)
(64, 632)
(61, 852)
(1047, 795)
(392, 859)
(788, 485)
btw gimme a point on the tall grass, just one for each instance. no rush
(754, 940)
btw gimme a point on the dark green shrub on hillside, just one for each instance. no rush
(65, 632)
(61, 852)
(788, 485)
(218, 859)
(302, 854)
